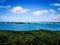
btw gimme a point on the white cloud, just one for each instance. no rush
(37, 13)
(51, 11)
(19, 10)
(5, 6)
(53, 18)
(16, 10)
(15, 18)
(9, 18)
(55, 4)
(40, 12)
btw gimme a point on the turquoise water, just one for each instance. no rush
(31, 26)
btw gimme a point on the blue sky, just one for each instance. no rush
(30, 10)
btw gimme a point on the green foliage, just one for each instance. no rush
(37, 37)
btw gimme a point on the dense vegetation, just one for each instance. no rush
(37, 37)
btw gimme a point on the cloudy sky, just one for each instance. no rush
(30, 10)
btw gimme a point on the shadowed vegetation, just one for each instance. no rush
(37, 37)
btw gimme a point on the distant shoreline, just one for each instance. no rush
(29, 22)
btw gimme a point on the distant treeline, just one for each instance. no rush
(13, 22)
(16, 22)
(30, 22)
(37, 37)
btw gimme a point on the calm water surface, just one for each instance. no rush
(31, 26)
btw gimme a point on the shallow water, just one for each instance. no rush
(31, 26)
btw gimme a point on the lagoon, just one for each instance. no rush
(29, 26)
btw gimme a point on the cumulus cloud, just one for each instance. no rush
(55, 4)
(5, 6)
(37, 13)
(16, 10)
(40, 12)
(44, 12)
(19, 10)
